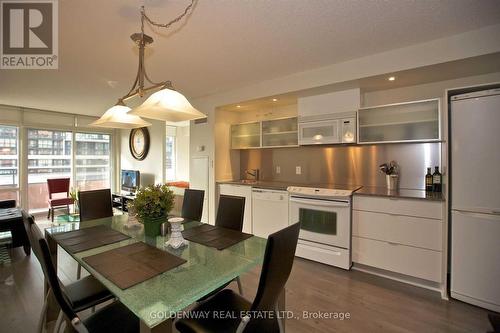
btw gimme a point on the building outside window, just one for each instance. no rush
(177, 152)
(92, 161)
(170, 153)
(9, 165)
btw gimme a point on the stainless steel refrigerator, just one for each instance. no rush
(475, 198)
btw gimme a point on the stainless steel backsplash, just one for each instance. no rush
(352, 165)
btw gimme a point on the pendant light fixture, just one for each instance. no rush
(166, 104)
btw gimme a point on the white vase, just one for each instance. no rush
(176, 240)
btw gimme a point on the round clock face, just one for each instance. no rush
(139, 143)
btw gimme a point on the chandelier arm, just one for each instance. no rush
(175, 20)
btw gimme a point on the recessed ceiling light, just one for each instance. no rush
(238, 106)
(392, 78)
(275, 99)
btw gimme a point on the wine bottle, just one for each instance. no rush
(436, 180)
(428, 180)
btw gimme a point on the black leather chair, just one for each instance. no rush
(95, 204)
(278, 262)
(494, 319)
(80, 295)
(231, 212)
(192, 204)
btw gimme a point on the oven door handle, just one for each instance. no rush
(323, 203)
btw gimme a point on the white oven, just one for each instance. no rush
(325, 231)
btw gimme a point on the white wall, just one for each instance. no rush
(154, 163)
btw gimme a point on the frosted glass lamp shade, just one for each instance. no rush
(167, 105)
(119, 116)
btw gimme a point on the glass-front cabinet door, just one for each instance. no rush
(280, 132)
(244, 136)
(404, 122)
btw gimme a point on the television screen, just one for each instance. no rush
(130, 180)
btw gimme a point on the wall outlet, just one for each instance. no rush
(298, 170)
(278, 169)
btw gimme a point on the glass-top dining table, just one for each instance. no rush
(157, 300)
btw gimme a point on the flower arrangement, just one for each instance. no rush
(152, 202)
(73, 194)
(391, 168)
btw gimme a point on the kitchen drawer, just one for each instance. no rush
(419, 208)
(412, 261)
(402, 229)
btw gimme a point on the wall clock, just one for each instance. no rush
(139, 143)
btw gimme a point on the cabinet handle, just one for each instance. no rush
(393, 244)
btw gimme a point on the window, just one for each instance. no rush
(170, 157)
(92, 161)
(177, 153)
(9, 165)
(49, 156)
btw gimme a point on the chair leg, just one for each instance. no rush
(41, 320)
(59, 321)
(279, 319)
(240, 288)
(52, 214)
(79, 272)
(48, 214)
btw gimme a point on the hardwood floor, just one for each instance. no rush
(375, 304)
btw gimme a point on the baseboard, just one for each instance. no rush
(430, 285)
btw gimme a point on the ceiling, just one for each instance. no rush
(224, 44)
(485, 64)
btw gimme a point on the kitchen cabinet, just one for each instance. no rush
(265, 134)
(245, 136)
(280, 132)
(269, 211)
(241, 191)
(403, 122)
(326, 104)
(403, 236)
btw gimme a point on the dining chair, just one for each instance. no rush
(81, 295)
(56, 187)
(192, 204)
(230, 214)
(114, 317)
(94, 204)
(278, 262)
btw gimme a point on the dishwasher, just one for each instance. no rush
(269, 211)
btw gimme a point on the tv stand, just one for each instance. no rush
(120, 200)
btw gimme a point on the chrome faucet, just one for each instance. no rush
(254, 173)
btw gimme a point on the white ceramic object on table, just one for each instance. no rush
(176, 240)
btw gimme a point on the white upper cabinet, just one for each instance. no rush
(404, 122)
(336, 102)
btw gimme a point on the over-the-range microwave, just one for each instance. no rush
(327, 129)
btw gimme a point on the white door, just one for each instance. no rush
(199, 180)
(475, 154)
(475, 257)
